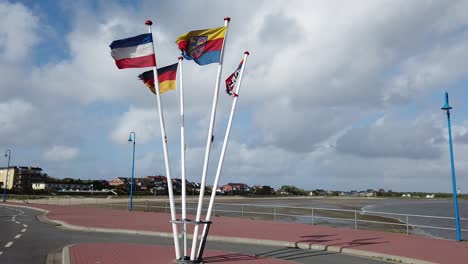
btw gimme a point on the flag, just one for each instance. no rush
(134, 52)
(231, 80)
(166, 76)
(203, 46)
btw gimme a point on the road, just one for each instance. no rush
(24, 239)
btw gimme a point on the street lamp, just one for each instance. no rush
(447, 108)
(133, 167)
(7, 154)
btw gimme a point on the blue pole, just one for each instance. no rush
(452, 164)
(133, 169)
(8, 152)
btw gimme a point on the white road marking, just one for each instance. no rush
(9, 244)
(23, 230)
(18, 222)
(1, 252)
(17, 236)
(25, 225)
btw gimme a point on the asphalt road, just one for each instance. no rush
(24, 239)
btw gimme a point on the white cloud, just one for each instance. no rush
(18, 34)
(141, 121)
(61, 153)
(393, 139)
(14, 114)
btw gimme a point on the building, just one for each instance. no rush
(236, 187)
(58, 186)
(119, 181)
(158, 178)
(21, 177)
(39, 186)
(143, 184)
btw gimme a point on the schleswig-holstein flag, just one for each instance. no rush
(134, 52)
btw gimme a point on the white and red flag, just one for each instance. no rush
(231, 80)
(134, 52)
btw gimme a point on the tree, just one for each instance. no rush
(263, 190)
(289, 189)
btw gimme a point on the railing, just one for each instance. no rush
(357, 219)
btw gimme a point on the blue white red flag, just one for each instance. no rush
(134, 52)
(231, 80)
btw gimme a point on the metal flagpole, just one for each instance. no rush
(182, 155)
(221, 158)
(208, 145)
(454, 182)
(166, 158)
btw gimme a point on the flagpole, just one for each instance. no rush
(182, 155)
(166, 158)
(223, 151)
(208, 145)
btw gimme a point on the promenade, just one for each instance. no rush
(387, 246)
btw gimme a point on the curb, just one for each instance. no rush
(238, 240)
(66, 255)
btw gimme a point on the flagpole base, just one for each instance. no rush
(186, 259)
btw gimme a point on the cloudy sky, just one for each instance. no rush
(337, 94)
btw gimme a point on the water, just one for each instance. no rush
(428, 207)
(443, 208)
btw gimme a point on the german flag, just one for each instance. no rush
(166, 76)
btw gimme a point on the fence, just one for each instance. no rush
(427, 225)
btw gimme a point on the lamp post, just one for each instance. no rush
(447, 107)
(7, 154)
(130, 139)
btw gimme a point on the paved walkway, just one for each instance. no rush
(399, 247)
(141, 254)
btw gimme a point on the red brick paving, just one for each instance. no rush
(423, 248)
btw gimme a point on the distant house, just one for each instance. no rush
(39, 186)
(158, 178)
(236, 187)
(58, 186)
(368, 193)
(119, 181)
(143, 184)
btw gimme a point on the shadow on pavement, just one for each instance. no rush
(292, 253)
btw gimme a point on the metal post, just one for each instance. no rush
(407, 225)
(312, 216)
(242, 208)
(5, 186)
(274, 214)
(447, 107)
(355, 219)
(146, 202)
(133, 168)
